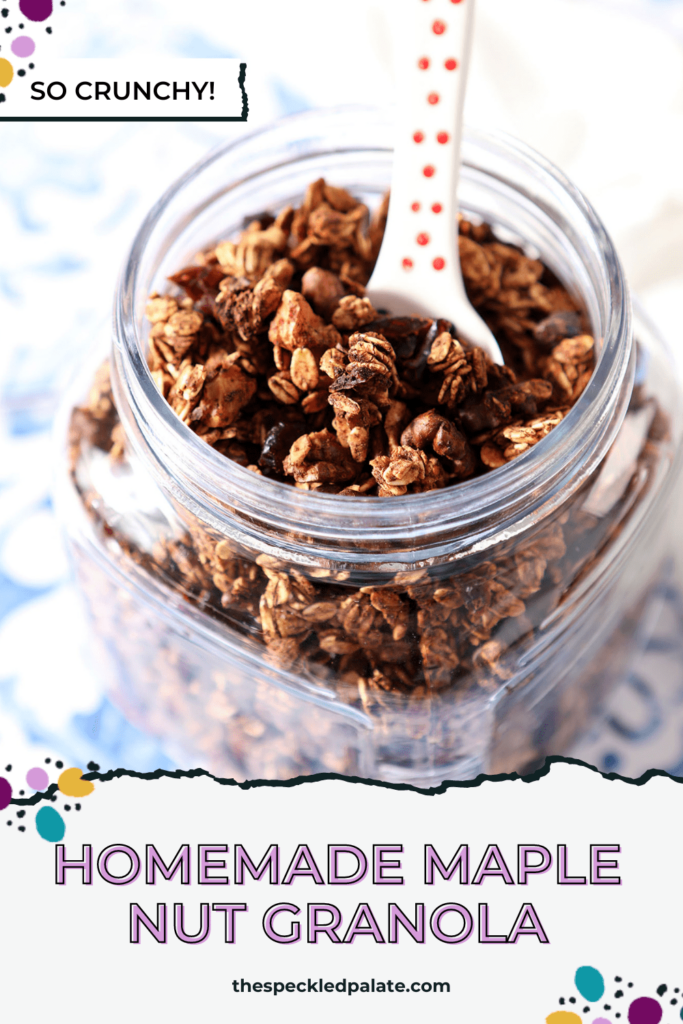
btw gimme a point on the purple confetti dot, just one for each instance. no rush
(644, 1011)
(23, 46)
(37, 778)
(5, 793)
(36, 10)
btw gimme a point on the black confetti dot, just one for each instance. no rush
(561, 1000)
(59, 764)
(607, 1006)
(5, 12)
(77, 806)
(630, 984)
(8, 767)
(53, 798)
(618, 994)
(673, 1002)
(21, 793)
(617, 979)
(67, 807)
(31, 66)
(8, 29)
(20, 814)
(586, 1009)
(617, 1015)
(49, 31)
(661, 990)
(571, 999)
(47, 760)
(22, 828)
(93, 766)
(677, 990)
(9, 822)
(21, 26)
(21, 72)
(2, 97)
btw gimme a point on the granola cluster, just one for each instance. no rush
(273, 354)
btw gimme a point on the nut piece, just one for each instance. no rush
(295, 325)
(396, 472)
(353, 312)
(323, 289)
(319, 458)
(431, 428)
(223, 397)
(268, 291)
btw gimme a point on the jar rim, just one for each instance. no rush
(218, 483)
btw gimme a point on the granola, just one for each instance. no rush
(270, 351)
(276, 328)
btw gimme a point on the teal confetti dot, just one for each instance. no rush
(50, 824)
(590, 983)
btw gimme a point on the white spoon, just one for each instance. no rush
(418, 268)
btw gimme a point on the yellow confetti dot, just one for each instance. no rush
(6, 72)
(71, 783)
(563, 1017)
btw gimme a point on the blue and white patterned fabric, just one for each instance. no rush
(71, 197)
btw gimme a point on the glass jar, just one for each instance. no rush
(254, 625)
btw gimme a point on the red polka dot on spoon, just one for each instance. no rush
(423, 63)
(450, 64)
(415, 207)
(439, 263)
(433, 98)
(439, 27)
(429, 171)
(437, 207)
(443, 138)
(407, 263)
(418, 137)
(422, 238)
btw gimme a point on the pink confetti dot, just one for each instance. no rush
(443, 138)
(37, 778)
(415, 207)
(423, 63)
(439, 263)
(407, 263)
(437, 207)
(450, 64)
(422, 238)
(433, 98)
(429, 171)
(439, 27)
(418, 137)
(23, 46)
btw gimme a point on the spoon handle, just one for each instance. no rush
(419, 262)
